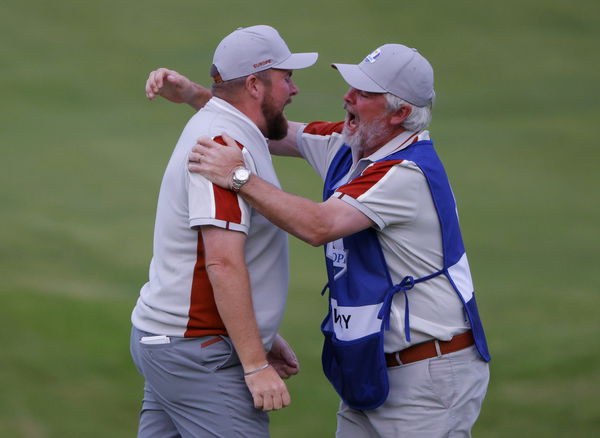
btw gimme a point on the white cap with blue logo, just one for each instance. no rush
(395, 69)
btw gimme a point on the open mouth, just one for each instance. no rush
(351, 121)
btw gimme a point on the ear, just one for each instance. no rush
(254, 87)
(400, 115)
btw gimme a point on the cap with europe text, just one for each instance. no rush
(248, 50)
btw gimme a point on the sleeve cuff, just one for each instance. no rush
(379, 223)
(299, 141)
(196, 222)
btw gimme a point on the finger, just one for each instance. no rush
(195, 157)
(194, 168)
(156, 79)
(290, 370)
(290, 357)
(229, 140)
(167, 71)
(149, 83)
(258, 401)
(205, 142)
(152, 77)
(286, 399)
(277, 402)
(267, 403)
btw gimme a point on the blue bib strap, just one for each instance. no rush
(405, 285)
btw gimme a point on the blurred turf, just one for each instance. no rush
(83, 154)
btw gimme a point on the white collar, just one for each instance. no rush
(225, 106)
(401, 141)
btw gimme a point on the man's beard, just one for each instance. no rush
(277, 125)
(367, 135)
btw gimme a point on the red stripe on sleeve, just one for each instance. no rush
(370, 176)
(323, 128)
(204, 318)
(226, 202)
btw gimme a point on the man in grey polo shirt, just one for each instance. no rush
(205, 325)
(404, 345)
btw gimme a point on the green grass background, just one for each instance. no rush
(82, 155)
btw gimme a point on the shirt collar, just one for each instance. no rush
(401, 141)
(223, 105)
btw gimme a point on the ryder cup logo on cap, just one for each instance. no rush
(395, 69)
(252, 49)
(372, 57)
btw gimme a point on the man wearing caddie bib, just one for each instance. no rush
(404, 345)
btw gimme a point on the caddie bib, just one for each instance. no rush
(361, 288)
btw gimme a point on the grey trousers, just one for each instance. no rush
(433, 398)
(194, 392)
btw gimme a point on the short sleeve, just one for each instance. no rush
(318, 143)
(210, 204)
(387, 192)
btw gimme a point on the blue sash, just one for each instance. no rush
(361, 289)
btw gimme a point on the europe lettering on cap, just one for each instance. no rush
(252, 49)
(260, 64)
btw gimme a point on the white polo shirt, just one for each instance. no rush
(396, 197)
(178, 298)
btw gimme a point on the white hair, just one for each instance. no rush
(418, 119)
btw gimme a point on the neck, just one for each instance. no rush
(380, 142)
(251, 109)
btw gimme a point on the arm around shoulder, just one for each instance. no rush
(288, 146)
(316, 223)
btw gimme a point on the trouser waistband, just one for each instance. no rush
(429, 349)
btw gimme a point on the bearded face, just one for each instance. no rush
(276, 123)
(365, 136)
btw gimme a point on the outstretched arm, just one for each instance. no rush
(176, 88)
(287, 147)
(314, 222)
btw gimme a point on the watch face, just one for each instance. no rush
(242, 174)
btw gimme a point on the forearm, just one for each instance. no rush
(231, 288)
(288, 146)
(198, 97)
(299, 216)
(312, 222)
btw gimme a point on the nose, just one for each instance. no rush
(350, 95)
(293, 89)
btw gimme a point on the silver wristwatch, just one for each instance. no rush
(240, 176)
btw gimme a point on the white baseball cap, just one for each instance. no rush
(252, 49)
(395, 69)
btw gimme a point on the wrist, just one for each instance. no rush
(256, 370)
(239, 177)
(199, 96)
